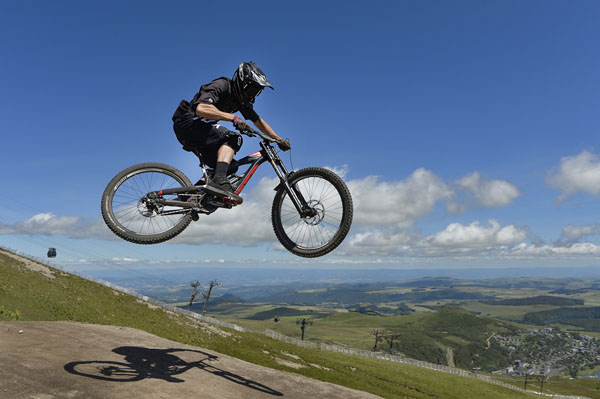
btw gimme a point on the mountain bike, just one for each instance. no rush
(150, 203)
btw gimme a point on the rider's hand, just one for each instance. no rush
(240, 124)
(284, 145)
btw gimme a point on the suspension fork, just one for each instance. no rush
(296, 196)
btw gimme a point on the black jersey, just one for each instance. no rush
(219, 93)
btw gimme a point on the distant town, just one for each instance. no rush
(548, 352)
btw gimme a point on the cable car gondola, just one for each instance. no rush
(52, 252)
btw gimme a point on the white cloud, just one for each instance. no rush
(402, 203)
(396, 203)
(50, 224)
(241, 226)
(379, 243)
(124, 260)
(340, 171)
(488, 193)
(474, 235)
(579, 173)
(455, 239)
(574, 233)
(531, 251)
(245, 225)
(458, 241)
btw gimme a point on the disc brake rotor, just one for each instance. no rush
(318, 207)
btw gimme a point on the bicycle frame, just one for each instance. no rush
(266, 154)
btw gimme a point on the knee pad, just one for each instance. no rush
(234, 140)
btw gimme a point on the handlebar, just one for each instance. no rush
(251, 133)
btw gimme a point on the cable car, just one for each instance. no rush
(52, 252)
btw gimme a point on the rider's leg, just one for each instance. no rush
(229, 144)
(219, 184)
(225, 154)
(224, 158)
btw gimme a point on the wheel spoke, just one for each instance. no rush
(316, 231)
(133, 214)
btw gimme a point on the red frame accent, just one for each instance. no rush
(249, 175)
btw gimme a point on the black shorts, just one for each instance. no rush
(207, 138)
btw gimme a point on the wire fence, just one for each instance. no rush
(307, 344)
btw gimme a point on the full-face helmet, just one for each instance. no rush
(248, 82)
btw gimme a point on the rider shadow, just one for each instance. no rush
(156, 363)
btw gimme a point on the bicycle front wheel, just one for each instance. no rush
(329, 198)
(129, 214)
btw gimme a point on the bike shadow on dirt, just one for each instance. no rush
(140, 363)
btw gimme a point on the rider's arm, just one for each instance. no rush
(212, 113)
(266, 129)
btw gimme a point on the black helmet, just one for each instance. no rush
(248, 81)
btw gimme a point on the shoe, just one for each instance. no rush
(221, 187)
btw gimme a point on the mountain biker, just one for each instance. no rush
(195, 124)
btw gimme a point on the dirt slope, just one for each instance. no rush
(48, 360)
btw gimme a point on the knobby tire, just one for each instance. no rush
(122, 209)
(319, 235)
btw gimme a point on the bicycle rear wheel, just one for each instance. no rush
(327, 194)
(132, 217)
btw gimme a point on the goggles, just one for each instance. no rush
(252, 90)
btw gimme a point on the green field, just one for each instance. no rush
(426, 336)
(515, 313)
(453, 332)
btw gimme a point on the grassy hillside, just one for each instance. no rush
(459, 331)
(587, 318)
(31, 295)
(424, 336)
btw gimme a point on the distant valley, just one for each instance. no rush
(472, 324)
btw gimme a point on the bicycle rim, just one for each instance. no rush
(132, 213)
(317, 231)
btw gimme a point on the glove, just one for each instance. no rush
(240, 124)
(284, 145)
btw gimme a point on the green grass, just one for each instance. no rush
(503, 311)
(9, 315)
(558, 386)
(30, 296)
(425, 336)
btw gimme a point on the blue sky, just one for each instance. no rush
(466, 130)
